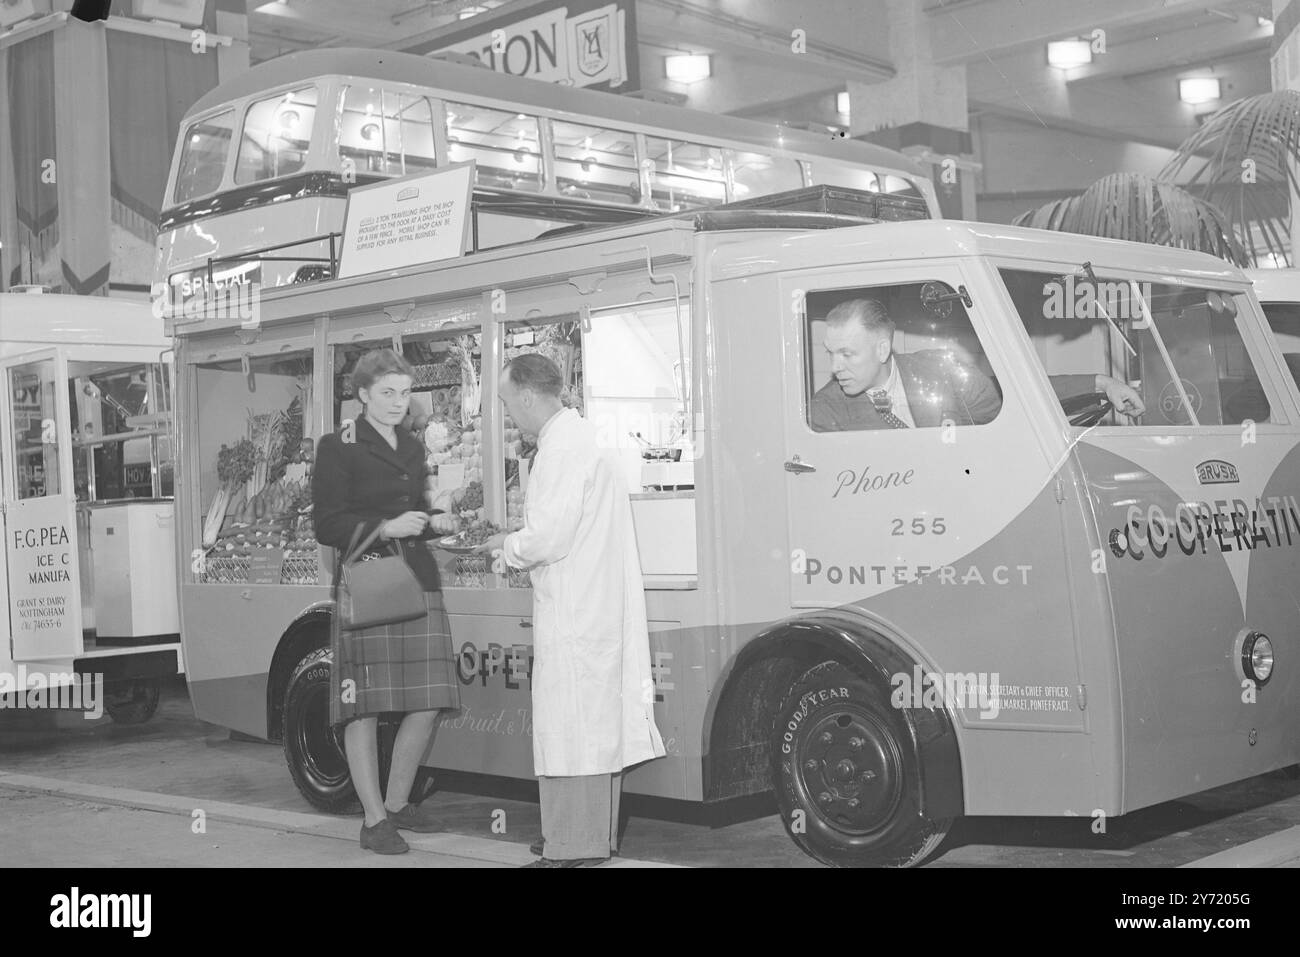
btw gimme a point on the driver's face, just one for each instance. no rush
(858, 357)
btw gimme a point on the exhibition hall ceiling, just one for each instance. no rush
(1141, 49)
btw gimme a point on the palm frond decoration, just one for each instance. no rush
(1142, 209)
(1243, 160)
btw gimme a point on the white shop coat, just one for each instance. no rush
(593, 696)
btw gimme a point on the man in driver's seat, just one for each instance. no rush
(872, 388)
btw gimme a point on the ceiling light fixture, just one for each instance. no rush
(1068, 54)
(1199, 89)
(688, 67)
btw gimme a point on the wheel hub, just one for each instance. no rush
(852, 770)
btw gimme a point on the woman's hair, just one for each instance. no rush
(375, 365)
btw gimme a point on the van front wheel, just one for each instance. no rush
(847, 776)
(313, 748)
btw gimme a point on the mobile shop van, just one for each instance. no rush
(1033, 607)
(87, 569)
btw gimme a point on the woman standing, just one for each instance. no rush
(371, 474)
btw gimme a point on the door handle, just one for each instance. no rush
(798, 465)
(525, 623)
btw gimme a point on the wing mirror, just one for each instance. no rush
(937, 298)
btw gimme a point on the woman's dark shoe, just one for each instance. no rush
(416, 817)
(383, 838)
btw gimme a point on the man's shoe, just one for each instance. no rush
(571, 862)
(383, 838)
(416, 817)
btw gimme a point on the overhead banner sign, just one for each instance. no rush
(407, 221)
(588, 43)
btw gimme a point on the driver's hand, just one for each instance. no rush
(1122, 396)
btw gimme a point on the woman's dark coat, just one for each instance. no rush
(367, 481)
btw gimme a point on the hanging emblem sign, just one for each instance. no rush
(585, 43)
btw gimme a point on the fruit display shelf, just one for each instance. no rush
(302, 569)
(475, 571)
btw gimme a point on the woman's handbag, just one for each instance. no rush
(375, 591)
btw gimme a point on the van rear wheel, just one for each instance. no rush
(847, 777)
(313, 748)
(133, 702)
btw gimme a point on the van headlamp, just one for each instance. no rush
(1257, 658)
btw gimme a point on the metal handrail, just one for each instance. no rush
(255, 255)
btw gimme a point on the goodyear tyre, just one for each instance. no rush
(846, 773)
(313, 749)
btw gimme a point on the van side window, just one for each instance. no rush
(878, 358)
(1083, 327)
(1284, 320)
(685, 175)
(595, 163)
(506, 146)
(203, 156)
(385, 132)
(276, 136)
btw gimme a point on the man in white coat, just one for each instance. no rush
(593, 694)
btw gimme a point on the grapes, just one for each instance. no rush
(473, 498)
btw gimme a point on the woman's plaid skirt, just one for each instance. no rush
(402, 667)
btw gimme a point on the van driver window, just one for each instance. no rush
(878, 358)
(1102, 323)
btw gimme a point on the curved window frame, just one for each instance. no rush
(223, 181)
(323, 101)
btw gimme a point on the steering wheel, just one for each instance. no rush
(1087, 409)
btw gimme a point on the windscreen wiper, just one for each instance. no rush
(1092, 278)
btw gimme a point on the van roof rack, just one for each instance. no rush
(810, 207)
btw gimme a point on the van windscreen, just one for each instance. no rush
(1191, 368)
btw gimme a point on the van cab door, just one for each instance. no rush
(945, 528)
(41, 575)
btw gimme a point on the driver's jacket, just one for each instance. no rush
(940, 388)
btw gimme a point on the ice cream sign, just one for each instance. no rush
(44, 588)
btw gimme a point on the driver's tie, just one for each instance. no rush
(885, 408)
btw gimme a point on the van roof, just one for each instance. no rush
(36, 319)
(740, 243)
(1276, 285)
(947, 238)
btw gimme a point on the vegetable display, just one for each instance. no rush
(235, 467)
(476, 533)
